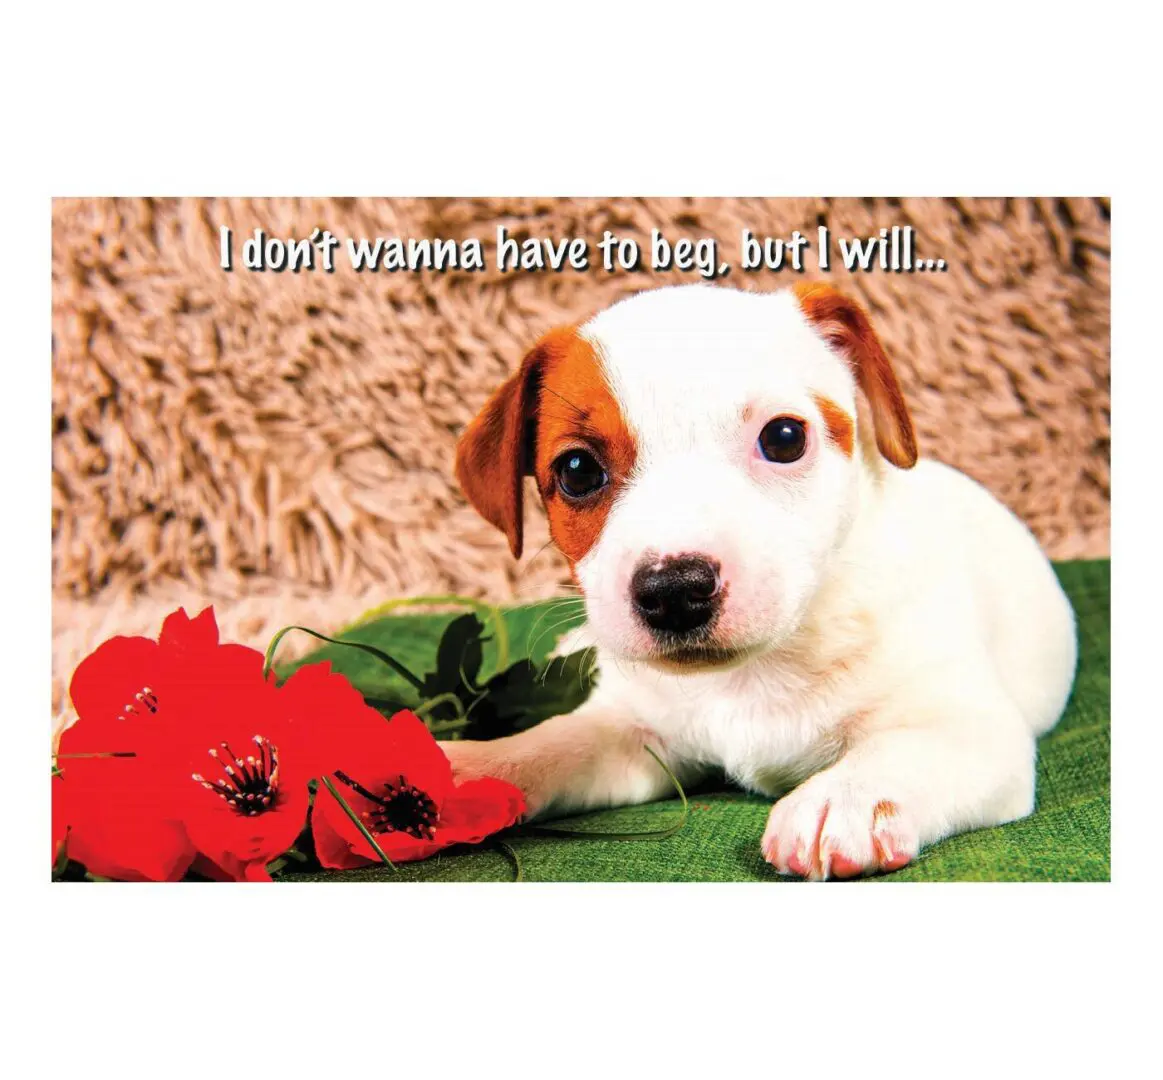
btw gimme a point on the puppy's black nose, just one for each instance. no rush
(678, 594)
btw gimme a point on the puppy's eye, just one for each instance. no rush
(579, 474)
(783, 439)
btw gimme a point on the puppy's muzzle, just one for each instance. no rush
(677, 595)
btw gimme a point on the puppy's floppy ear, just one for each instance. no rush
(495, 452)
(846, 328)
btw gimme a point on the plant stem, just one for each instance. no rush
(449, 698)
(594, 834)
(358, 824)
(371, 650)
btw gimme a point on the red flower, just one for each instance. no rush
(400, 784)
(242, 772)
(120, 823)
(214, 759)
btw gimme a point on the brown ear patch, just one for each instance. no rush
(491, 453)
(839, 425)
(558, 400)
(843, 324)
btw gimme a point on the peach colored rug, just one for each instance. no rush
(281, 444)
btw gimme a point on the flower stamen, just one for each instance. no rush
(402, 808)
(144, 697)
(251, 786)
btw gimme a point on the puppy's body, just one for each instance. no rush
(886, 640)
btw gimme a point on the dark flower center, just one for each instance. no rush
(250, 785)
(402, 808)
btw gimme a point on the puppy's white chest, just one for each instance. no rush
(768, 729)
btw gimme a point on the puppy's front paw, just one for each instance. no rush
(836, 827)
(472, 760)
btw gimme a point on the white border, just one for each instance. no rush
(577, 101)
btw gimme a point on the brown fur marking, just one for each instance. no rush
(558, 400)
(839, 424)
(844, 325)
(577, 411)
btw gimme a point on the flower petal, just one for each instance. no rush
(335, 721)
(142, 849)
(236, 841)
(119, 812)
(334, 845)
(233, 869)
(183, 634)
(417, 756)
(339, 845)
(107, 681)
(228, 676)
(477, 809)
(473, 811)
(403, 847)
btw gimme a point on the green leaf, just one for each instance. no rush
(458, 653)
(71, 871)
(527, 693)
(458, 658)
(62, 862)
(533, 631)
(388, 706)
(495, 615)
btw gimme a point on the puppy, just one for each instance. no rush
(775, 585)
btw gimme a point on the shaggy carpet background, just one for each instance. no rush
(280, 444)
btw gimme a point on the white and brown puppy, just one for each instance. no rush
(775, 586)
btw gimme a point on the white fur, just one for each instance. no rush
(905, 639)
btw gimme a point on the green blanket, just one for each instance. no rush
(1066, 839)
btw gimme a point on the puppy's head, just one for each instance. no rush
(697, 450)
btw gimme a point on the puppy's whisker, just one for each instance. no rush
(534, 586)
(558, 607)
(559, 625)
(557, 601)
(549, 667)
(567, 616)
(533, 558)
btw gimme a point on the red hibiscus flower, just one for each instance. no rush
(400, 784)
(212, 759)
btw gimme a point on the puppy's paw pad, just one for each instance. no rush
(828, 828)
(797, 863)
(844, 867)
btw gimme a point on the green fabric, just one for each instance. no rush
(1066, 839)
